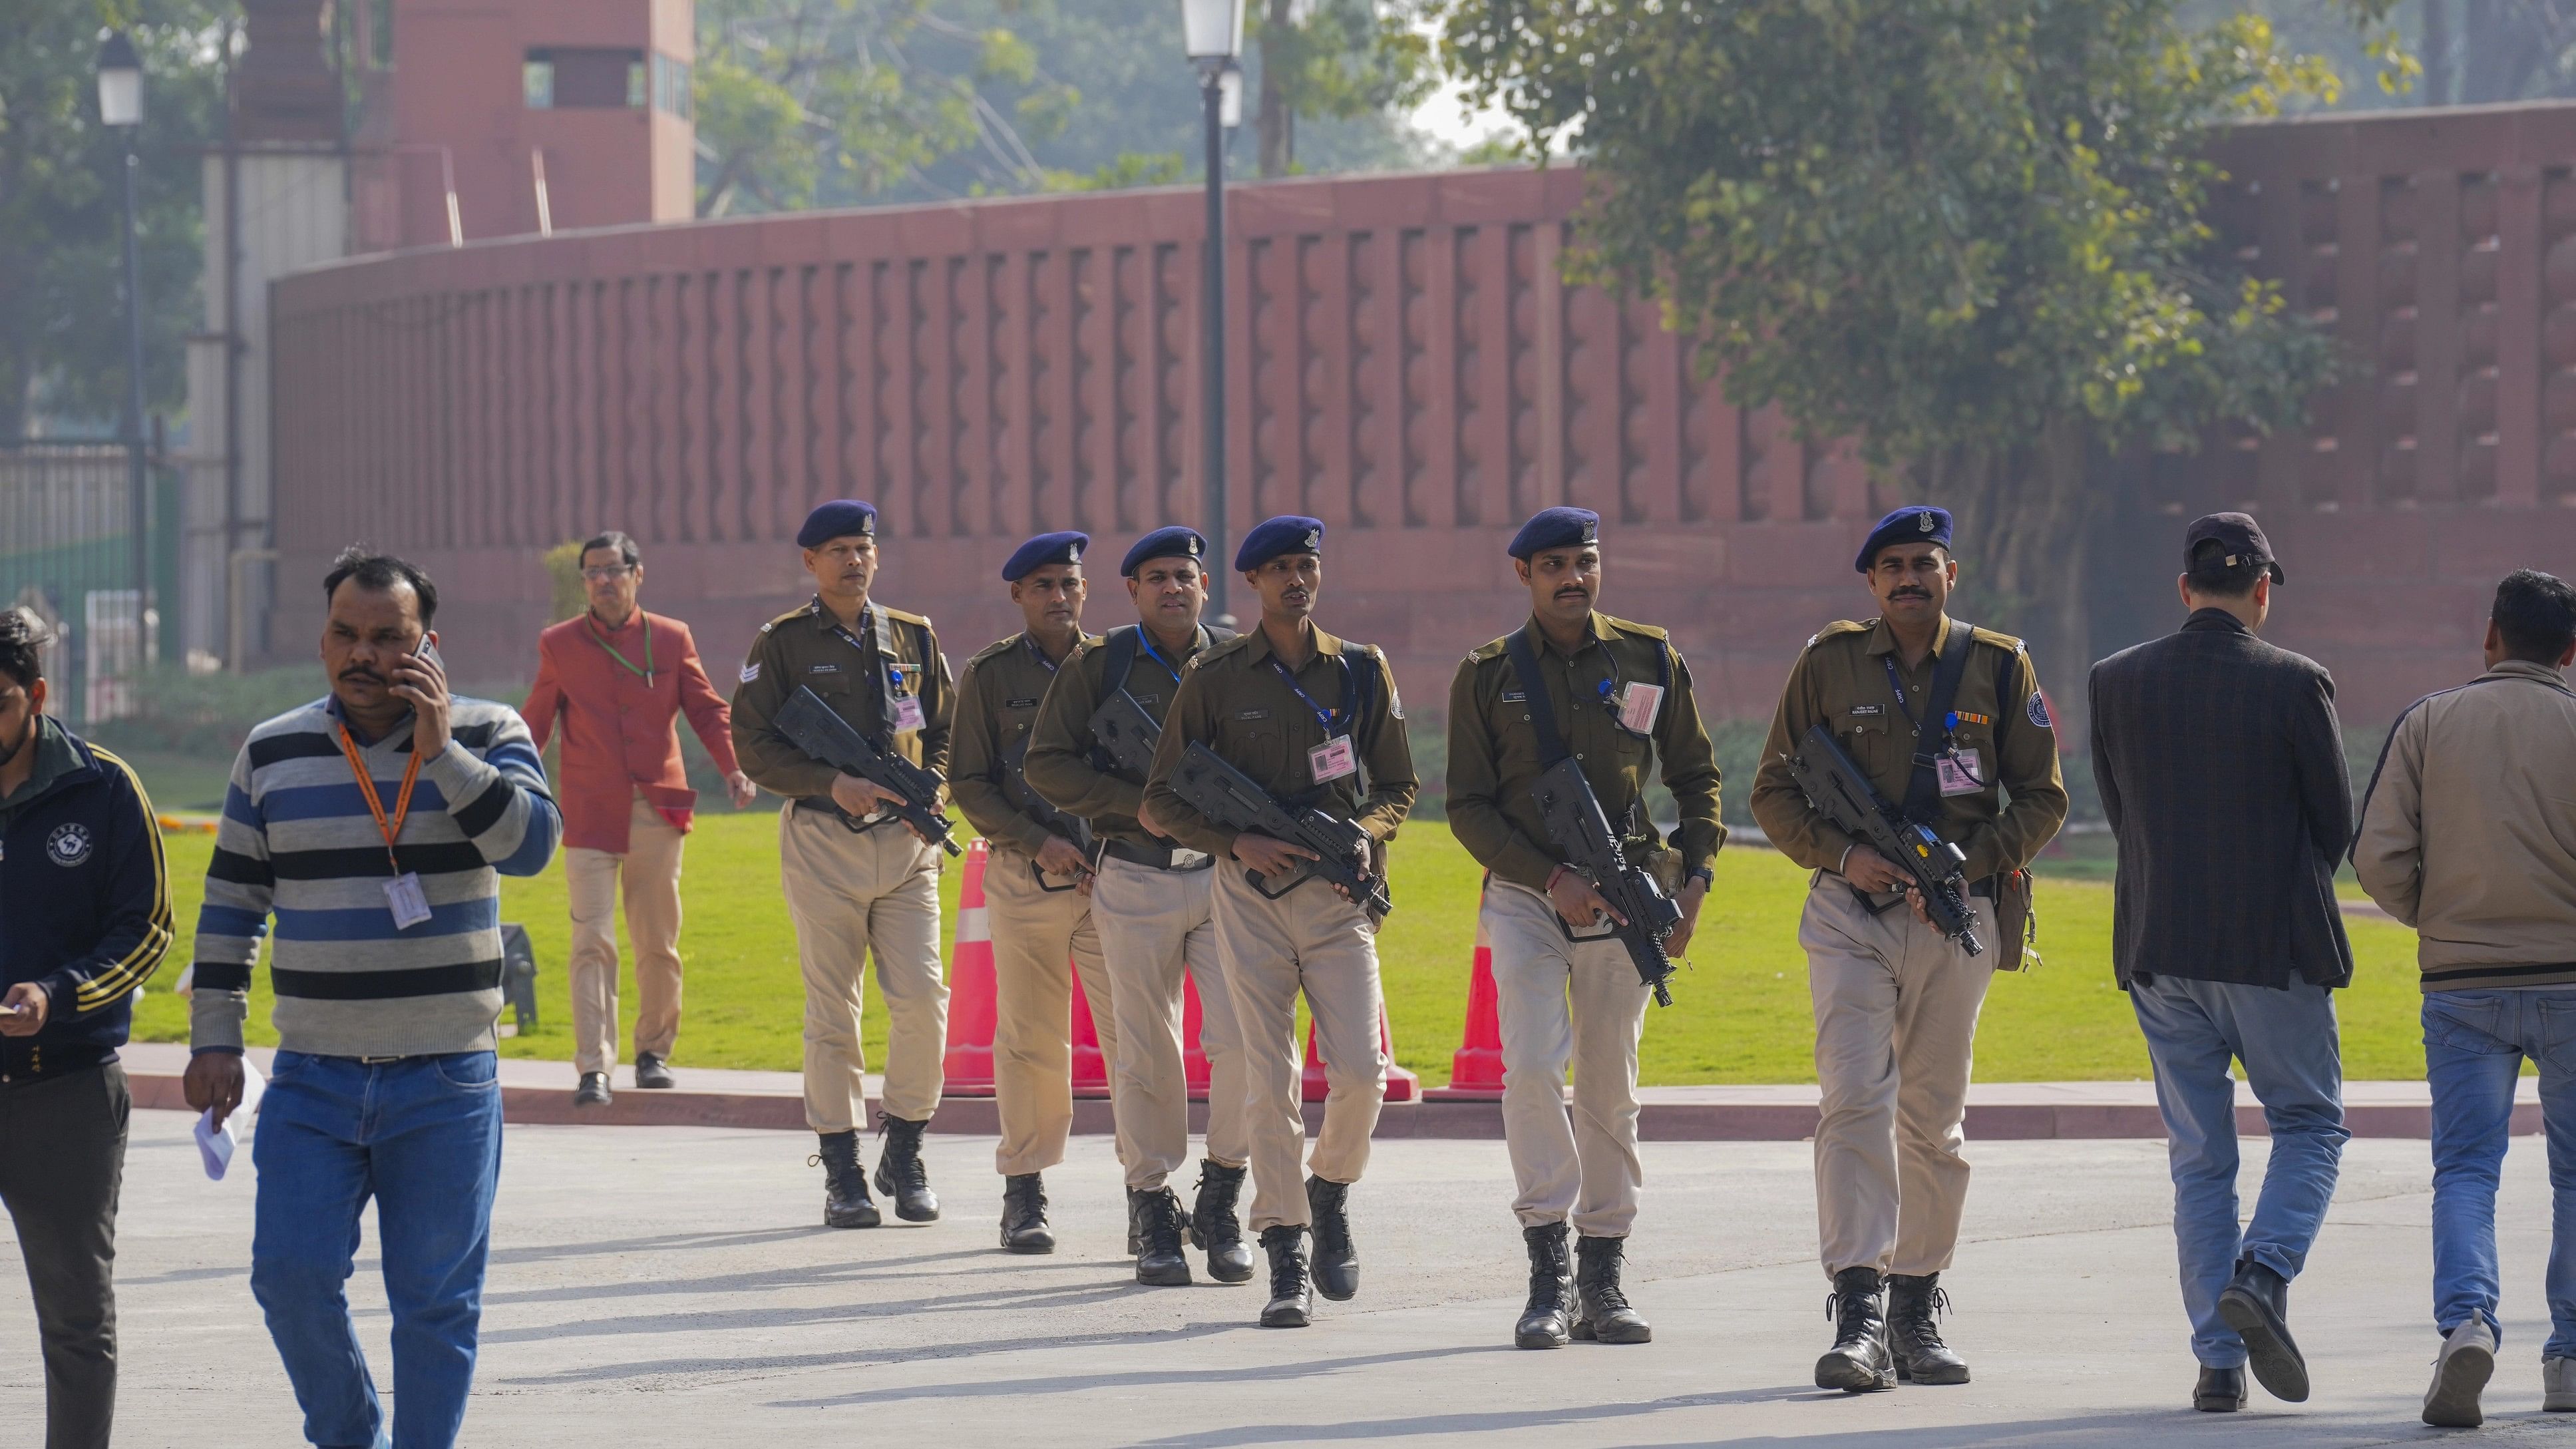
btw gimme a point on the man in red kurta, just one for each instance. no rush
(619, 677)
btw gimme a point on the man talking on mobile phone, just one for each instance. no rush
(373, 826)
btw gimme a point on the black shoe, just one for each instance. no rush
(1601, 1310)
(652, 1073)
(593, 1091)
(1337, 1263)
(2220, 1390)
(1213, 1227)
(2256, 1303)
(1024, 1219)
(1547, 1320)
(1292, 1303)
(845, 1184)
(1157, 1216)
(900, 1174)
(1921, 1356)
(1858, 1362)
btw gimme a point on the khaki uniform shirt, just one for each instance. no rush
(1840, 682)
(997, 701)
(1061, 766)
(1494, 758)
(860, 682)
(1234, 701)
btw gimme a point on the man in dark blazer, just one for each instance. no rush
(2222, 773)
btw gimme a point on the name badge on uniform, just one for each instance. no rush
(1332, 759)
(1637, 708)
(1958, 773)
(907, 712)
(410, 903)
(1019, 704)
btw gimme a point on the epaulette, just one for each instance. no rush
(1487, 653)
(998, 646)
(1218, 648)
(1837, 629)
(909, 618)
(799, 612)
(1997, 638)
(1642, 631)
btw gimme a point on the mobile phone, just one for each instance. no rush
(429, 651)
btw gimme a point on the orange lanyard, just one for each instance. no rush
(375, 803)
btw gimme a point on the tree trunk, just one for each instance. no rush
(1275, 126)
(2023, 527)
(2440, 66)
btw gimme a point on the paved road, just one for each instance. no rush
(665, 1286)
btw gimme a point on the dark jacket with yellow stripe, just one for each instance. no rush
(84, 903)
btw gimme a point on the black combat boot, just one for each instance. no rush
(1213, 1227)
(1337, 1263)
(845, 1183)
(1858, 1362)
(900, 1174)
(1548, 1318)
(1912, 1341)
(1024, 1219)
(2256, 1303)
(1601, 1310)
(1292, 1303)
(2219, 1390)
(1158, 1216)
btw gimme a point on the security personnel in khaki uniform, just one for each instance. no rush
(1896, 1003)
(1152, 903)
(1619, 698)
(872, 889)
(1037, 886)
(1316, 721)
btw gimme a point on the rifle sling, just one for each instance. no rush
(1923, 790)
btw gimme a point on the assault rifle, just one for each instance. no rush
(1234, 801)
(1577, 825)
(810, 725)
(1015, 789)
(1834, 784)
(1126, 734)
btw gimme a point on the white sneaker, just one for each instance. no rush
(2460, 1372)
(2558, 1385)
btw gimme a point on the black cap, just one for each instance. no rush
(2239, 534)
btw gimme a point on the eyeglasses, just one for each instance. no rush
(605, 576)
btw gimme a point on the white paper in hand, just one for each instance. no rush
(216, 1145)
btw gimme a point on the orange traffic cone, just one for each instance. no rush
(968, 1064)
(1401, 1085)
(1476, 1068)
(1090, 1063)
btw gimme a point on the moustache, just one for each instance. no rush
(1911, 594)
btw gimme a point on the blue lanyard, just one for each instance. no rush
(1897, 683)
(1323, 716)
(868, 620)
(1145, 640)
(1039, 654)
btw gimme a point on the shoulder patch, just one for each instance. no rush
(2038, 711)
(751, 671)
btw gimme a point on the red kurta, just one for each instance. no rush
(620, 732)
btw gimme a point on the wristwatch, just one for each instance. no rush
(1705, 875)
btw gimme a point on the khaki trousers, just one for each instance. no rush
(1154, 924)
(1896, 1019)
(650, 874)
(1309, 940)
(1584, 1167)
(1035, 931)
(853, 896)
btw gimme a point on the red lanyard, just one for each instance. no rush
(375, 803)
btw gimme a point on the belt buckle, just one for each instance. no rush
(381, 1061)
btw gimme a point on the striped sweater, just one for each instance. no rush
(298, 843)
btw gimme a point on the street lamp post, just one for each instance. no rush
(120, 105)
(1212, 34)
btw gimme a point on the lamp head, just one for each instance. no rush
(120, 82)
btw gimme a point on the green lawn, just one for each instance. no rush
(1740, 1010)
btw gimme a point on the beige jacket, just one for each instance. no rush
(2468, 833)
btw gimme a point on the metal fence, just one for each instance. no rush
(67, 552)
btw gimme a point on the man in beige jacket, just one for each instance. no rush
(2468, 834)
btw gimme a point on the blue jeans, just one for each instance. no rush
(2474, 1043)
(2294, 1061)
(423, 1137)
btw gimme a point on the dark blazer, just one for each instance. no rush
(2221, 769)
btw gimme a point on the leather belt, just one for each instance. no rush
(1157, 857)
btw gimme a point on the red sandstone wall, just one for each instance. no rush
(1404, 364)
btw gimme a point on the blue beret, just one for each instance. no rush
(839, 518)
(1045, 549)
(1272, 537)
(1556, 528)
(1172, 542)
(1914, 523)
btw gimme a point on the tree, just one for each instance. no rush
(1964, 232)
(62, 334)
(1334, 58)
